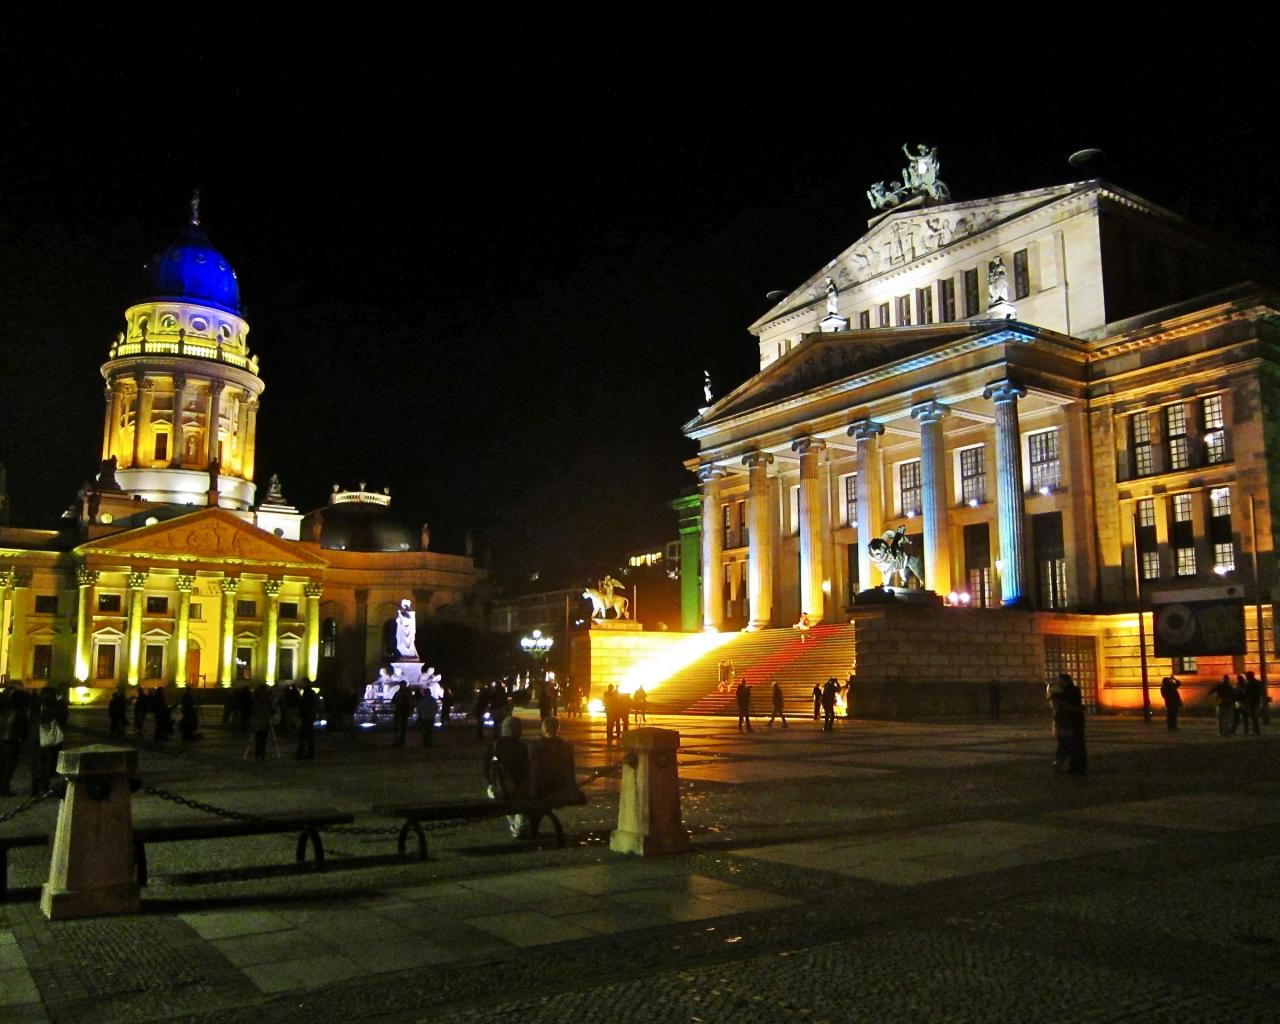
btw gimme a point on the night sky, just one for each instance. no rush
(487, 266)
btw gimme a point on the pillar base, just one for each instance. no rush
(624, 841)
(63, 904)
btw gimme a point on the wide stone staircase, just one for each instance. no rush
(761, 656)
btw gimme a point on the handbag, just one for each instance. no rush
(51, 734)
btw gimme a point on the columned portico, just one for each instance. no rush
(142, 420)
(933, 484)
(215, 418)
(1013, 573)
(760, 542)
(181, 634)
(86, 579)
(226, 666)
(867, 434)
(812, 535)
(137, 581)
(313, 592)
(179, 407)
(712, 549)
(272, 589)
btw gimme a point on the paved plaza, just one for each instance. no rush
(882, 872)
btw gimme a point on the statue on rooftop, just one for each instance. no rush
(997, 283)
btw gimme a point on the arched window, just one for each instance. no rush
(329, 638)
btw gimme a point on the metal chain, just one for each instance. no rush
(196, 805)
(25, 806)
(600, 773)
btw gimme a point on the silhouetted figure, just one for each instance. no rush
(777, 711)
(829, 691)
(308, 704)
(743, 695)
(1169, 687)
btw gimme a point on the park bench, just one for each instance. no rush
(12, 841)
(306, 824)
(475, 810)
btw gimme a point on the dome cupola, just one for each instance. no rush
(192, 270)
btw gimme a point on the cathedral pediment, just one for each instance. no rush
(210, 535)
(902, 236)
(824, 359)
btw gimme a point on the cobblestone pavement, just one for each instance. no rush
(883, 872)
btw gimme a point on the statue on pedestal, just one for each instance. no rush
(894, 556)
(997, 282)
(405, 631)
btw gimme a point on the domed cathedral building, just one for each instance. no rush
(169, 569)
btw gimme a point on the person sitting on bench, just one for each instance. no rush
(506, 770)
(552, 775)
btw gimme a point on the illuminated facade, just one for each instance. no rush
(1015, 382)
(166, 570)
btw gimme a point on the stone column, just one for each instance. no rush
(712, 549)
(15, 641)
(250, 438)
(810, 450)
(86, 579)
(142, 439)
(7, 577)
(1009, 491)
(272, 627)
(109, 417)
(870, 502)
(227, 640)
(242, 431)
(137, 580)
(181, 633)
(760, 546)
(214, 417)
(933, 486)
(179, 406)
(313, 592)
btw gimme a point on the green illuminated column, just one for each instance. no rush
(689, 517)
(137, 580)
(181, 640)
(85, 581)
(272, 587)
(314, 590)
(226, 670)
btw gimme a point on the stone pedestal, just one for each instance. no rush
(649, 820)
(91, 871)
(409, 671)
(617, 625)
(898, 597)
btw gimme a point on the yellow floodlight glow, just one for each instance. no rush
(652, 672)
(595, 707)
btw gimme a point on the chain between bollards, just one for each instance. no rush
(25, 806)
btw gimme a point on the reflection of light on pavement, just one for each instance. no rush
(651, 672)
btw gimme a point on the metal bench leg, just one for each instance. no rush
(140, 860)
(411, 825)
(4, 874)
(317, 847)
(558, 827)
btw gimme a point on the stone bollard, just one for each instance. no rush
(649, 819)
(91, 872)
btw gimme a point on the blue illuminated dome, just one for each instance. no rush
(192, 270)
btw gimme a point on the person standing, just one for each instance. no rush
(640, 705)
(777, 711)
(743, 694)
(1169, 687)
(829, 691)
(13, 730)
(308, 703)
(260, 721)
(1225, 695)
(427, 708)
(1240, 706)
(190, 725)
(817, 701)
(118, 711)
(1254, 694)
(400, 711)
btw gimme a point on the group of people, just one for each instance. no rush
(1241, 704)
(1067, 703)
(516, 770)
(34, 722)
(620, 709)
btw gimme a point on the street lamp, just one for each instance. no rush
(538, 646)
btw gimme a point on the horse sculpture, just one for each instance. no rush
(893, 556)
(602, 602)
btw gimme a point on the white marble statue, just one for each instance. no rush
(601, 603)
(406, 631)
(833, 297)
(997, 283)
(706, 386)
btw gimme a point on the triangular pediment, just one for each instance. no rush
(209, 535)
(902, 236)
(823, 359)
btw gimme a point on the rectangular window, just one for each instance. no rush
(851, 499)
(1051, 562)
(971, 295)
(909, 488)
(41, 661)
(1185, 665)
(1175, 419)
(1182, 508)
(947, 299)
(726, 515)
(904, 310)
(288, 609)
(46, 604)
(153, 662)
(196, 610)
(977, 563)
(286, 664)
(1220, 502)
(1215, 435)
(864, 320)
(109, 604)
(882, 315)
(1147, 512)
(1224, 558)
(851, 559)
(1046, 469)
(1151, 565)
(246, 609)
(973, 476)
(106, 662)
(980, 587)
(1021, 275)
(244, 662)
(744, 537)
(795, 510)
(924, 305)
(157, 606)
(162, 447)
(1140, 444)
(1185, 561)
